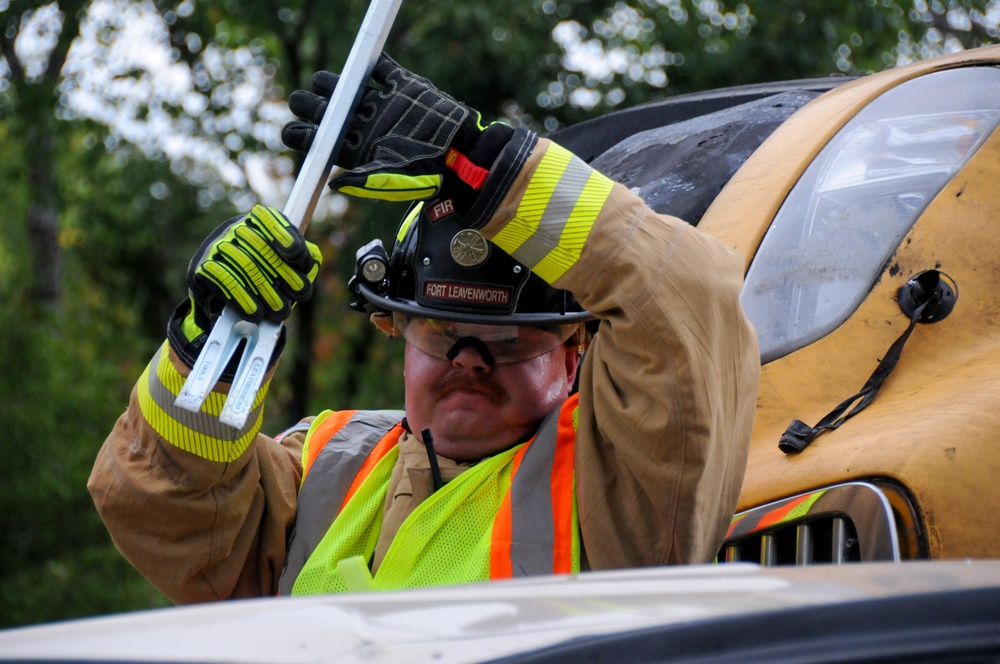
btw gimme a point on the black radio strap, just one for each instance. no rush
(927, 298)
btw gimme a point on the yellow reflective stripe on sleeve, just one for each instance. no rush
(535, 200)
(577, 229)
(201, 433)
(556, 214)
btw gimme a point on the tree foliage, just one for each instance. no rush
(128, 130)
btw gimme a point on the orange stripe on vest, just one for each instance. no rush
(561, 483)
(562, 489)
(327, 429)
(503, 528)
(388, 441)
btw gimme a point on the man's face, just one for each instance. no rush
(474, 409)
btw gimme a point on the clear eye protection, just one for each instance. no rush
(506, 344)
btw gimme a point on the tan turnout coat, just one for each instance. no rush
(667, 397)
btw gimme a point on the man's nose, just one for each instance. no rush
(472, 354)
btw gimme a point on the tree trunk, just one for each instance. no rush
(301, 373)
(34, 100)
(43, 215)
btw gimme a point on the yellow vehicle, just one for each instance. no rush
(862, 203)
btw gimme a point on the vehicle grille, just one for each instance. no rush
(822, 540)
(849, 522)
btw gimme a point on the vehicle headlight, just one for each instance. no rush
(853, 205)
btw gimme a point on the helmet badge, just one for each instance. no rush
(469, 248)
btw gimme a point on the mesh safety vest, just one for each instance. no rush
(513, 514)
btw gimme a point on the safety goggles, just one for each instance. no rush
(507, 344)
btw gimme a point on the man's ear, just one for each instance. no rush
(572, 364)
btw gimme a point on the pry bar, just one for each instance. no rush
(260, 339)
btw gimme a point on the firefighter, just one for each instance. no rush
(512, 456)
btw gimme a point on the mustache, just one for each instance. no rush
(454, 382)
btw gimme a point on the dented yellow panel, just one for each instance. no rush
(934, 426)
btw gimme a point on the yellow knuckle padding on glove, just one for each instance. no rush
(272, 264)
(258, 277)
(317, 257)
(276, 227)
(237, 293)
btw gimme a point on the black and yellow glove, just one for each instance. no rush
(409, 141)
(258, 264)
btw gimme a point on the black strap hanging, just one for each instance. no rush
(926, 298)
(432, 458)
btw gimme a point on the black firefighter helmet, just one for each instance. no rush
(442, 270)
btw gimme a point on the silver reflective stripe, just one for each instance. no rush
(327, 484)
(201, 423)
(532, 527)
(558, 211)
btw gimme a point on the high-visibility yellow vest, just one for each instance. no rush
(510, 515)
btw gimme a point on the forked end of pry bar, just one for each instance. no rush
(250, 374)
(227, 334)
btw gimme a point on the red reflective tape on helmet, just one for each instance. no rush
(467, 172)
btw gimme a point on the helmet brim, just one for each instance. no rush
(412, 308)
